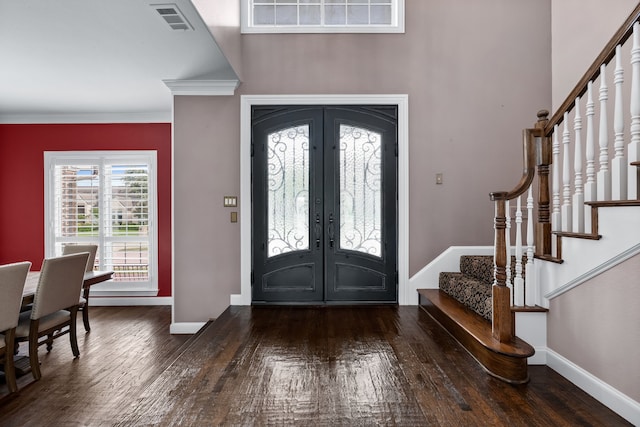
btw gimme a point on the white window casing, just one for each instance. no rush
(322, 16)
(106, 198)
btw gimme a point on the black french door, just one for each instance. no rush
(324, 204)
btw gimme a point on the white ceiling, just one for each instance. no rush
(98, 60)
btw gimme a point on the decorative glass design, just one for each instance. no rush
(360, 190)
(288, 190)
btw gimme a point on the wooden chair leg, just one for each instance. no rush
(72, 332)
(9, 368)
(85, 309)
(85, 317)
(33, 350)
(49, 342)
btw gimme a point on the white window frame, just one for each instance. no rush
(53, 158)
(397, 23)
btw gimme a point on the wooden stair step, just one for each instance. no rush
(613, 203)
(587, 236)
(506, 361)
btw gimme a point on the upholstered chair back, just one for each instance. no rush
(60, 284)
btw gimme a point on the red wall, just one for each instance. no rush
(22, 150)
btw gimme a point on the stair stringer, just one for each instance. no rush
(584, 259)
(449, 260)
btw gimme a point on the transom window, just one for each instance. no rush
(107, 199)
(318, 16)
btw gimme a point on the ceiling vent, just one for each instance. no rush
(173, 16)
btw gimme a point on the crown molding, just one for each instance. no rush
(74, 118)
(202, 87)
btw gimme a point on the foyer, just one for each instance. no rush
(260, 366)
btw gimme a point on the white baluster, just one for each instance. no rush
(578, 193)
(590, 189)
(566, 178)
(556, 217)
(618, 165)
(556, 214)
(508, 245)
(518, 281)
(530, 278)
(604, 175)
(633, 151)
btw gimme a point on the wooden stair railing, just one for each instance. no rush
(567, 202)
(503, 328)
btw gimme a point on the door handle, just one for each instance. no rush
(330, 230)
(318, 230)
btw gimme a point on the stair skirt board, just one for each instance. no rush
(505, 361)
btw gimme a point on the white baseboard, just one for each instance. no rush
(617, 401)
(129, 301)
(239, 299)
(539, 358)
(186, 327)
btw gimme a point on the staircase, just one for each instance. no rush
(577, 171)
(463, 305)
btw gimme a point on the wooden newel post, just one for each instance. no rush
(502, 324)
(544, 159)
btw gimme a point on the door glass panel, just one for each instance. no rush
(360, 190)
(288, 190)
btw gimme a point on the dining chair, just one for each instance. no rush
(74, 249)
(92, 249)
(12, 280)
(55, 306)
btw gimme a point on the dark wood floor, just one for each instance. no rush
(324, 366)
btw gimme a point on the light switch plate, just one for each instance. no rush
(230, 201)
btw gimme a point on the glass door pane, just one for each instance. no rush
(360, 190)
(288, 190)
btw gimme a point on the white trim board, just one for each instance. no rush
(74, 118)
(247, 101)
(618, 259)
(129, 301)
(186, 327)
(617, 401)
(449, 260)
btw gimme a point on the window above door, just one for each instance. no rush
(322, 16)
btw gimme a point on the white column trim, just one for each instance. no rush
(247, 101)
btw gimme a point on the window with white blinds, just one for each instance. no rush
(108, 199)
(318, 16)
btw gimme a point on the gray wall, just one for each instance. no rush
(475, 72)
(594, 325)
(580, 30)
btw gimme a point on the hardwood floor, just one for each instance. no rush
(314, 366)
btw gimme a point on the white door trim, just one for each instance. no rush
(247, 101)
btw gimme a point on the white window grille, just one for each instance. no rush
(106, 198)
(322, 16)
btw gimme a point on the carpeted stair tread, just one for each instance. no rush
(479, 267)
(469, 291)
